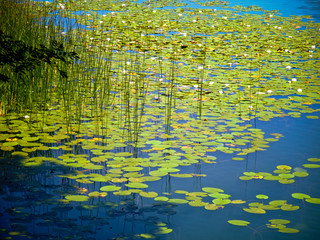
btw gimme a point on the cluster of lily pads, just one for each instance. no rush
(285, 176)
(160, 89)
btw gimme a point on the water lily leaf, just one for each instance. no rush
(288, 230)
(136, 185)
(97, 194)
(300, 195)
(255, 210)
(212, 190)
(211, 207)
(132, 169)
(163, 199)
(314, 159)
(157, 173)
(197, 203)
(238, 158)
(219, 201)
(245, 178)
(219, 195)
(239, 222)
(177, 201)
(301, 174)
(279, 221)
(284, 167)
(238, 201)
(110, 188)
(148, 194)
(77, 198)
(311, 165)
(278, 202)
(313, 200)
(183, 175)
(289, 207)
(261, 196)
(122, 193)
(163, 230)
(286, 175)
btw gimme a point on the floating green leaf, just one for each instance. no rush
(313, 200)
(239, 222)
(136, 185)
(110, 188)
(77, 198)
(300, 195)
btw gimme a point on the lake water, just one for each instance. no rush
(34, 199)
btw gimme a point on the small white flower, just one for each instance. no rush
(184, 34)
(299, 90)
(275, 27)
(221, 92)
(270, 15)
(250, 106)
(154, 11)
(293, 79)
(91, 38)
(199, 45)
(310, 55)
(104, 15)
(88, 15)
(26, 116)
(101, 22)
(123, 5)
(279, 27)
(63, 33)
(124, 71)
(200, 11)
(196, 86)
(289, 36)
(248, 25)
(128, 63)
(160, 79)
(212, 26)
(112, 13)
(268, 51)
(245, 55)
(288, 67)
(200, 67)
(211, 83)
(108, 39)
(131, 82)
(194, 20)
(226, 84)
(289, 82)
(269, 91)
(179, 14)
(224, 18)
(313, 46)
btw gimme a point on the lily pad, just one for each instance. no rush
(136, 185)
(239, 222)
(110, 188)
(77, 198)
(300, 195)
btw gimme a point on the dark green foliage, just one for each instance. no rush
(22, 58)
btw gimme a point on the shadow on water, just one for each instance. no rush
(34, 207)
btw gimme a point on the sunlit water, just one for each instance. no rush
(300, 142)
